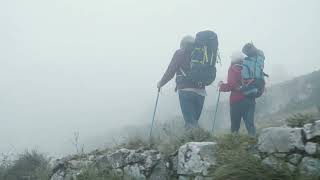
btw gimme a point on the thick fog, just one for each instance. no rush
(92, 66)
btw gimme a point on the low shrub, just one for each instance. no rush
(28, 165)
(299, 120)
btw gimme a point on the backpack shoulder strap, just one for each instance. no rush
(235, 66)
(244, 66)
(238, 67)
(182, 72)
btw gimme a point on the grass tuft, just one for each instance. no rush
(237, 160)
(92, 173)
(299, 120)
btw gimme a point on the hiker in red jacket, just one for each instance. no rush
(191, 95)
(241, 107)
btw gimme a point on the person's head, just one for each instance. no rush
(187, 42)
(237, 57)
(249, 49)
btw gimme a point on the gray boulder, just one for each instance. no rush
(67, 174)
(125, 163)
(312, 148)
(310, 166)
(194, 178)
(295, 158)
(312, 131)
(152, 158)
(59, 175)
(79, 164)
(280, 140)
(70, 167)
(159, 172)
(133, 172)
(139, 164)
(119, 158)
(174, 163)
(278, 164)
(185, 178)
(196, 158)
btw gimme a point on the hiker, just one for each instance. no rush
(191, 82)
(242, 97)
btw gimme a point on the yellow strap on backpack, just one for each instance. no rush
(205, 51)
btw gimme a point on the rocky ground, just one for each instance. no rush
(297, 149)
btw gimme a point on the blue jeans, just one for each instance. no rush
(243, 110)
(191, 106)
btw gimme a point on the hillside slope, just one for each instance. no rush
(299, 95)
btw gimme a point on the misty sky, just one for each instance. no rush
(92, 66)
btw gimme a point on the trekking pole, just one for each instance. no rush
(215, 114)
(154, 114)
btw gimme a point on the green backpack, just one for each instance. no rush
(203, 58)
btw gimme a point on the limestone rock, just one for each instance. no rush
(133, 172)
(312, 131)
(277, 163)
(312, 148)
(280, 140)
(194, 178)
(59, 175)
(174, 163)
(159, 172)
(295, 158)
(310, 166)
(79, 164)
(119, 159)
(152, 158)
(196, 158)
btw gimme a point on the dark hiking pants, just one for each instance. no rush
(191, 106)
(243, 110)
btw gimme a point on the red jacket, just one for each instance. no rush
(234, 81)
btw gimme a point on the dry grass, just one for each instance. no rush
(299, 120)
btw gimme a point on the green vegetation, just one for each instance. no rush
(172, 144)
(135, 142)
(236, 155)
(98, 174)
(238, 161)
(299, 120)
(237, 158)
(29, 165)
(167, 138)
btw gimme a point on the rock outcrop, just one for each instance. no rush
(312, 131)
(298, 149)
(281, 140)
(125, 163)
(192, 160)
(197, 159)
